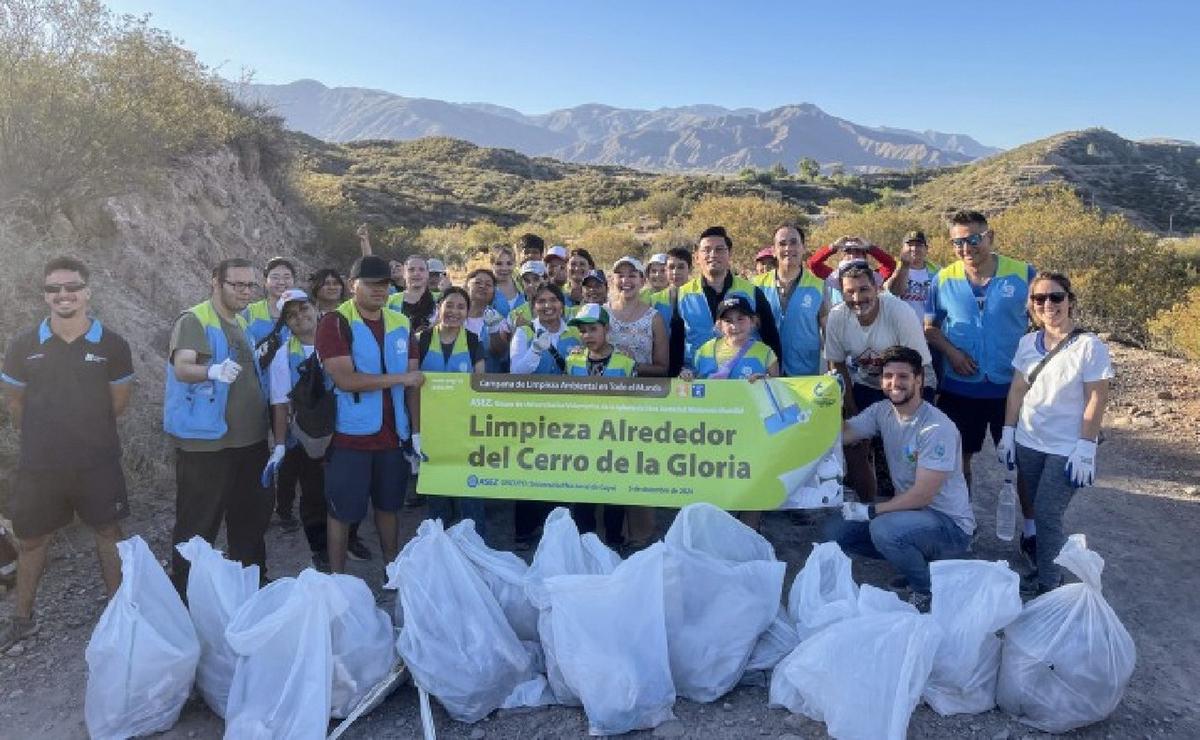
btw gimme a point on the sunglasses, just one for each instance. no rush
(972, 240)
(1041, 298)
(52, 289)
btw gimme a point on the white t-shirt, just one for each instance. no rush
(860, 346)
(916, 290)
(280, 375)
(1051, 417)
(927, 440)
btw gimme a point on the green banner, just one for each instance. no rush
(645, 441)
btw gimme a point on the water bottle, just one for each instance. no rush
(1006, 510)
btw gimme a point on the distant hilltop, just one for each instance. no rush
(695, 138)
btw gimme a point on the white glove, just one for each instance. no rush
(225, 372)
(542, 342)
(268, 473)
(1081, 465)
(1006, 450)
(852, 511)
(416, 445)
(492, 318)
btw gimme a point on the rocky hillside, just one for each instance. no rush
(704, 138)
(1155, 184)
(151, 253)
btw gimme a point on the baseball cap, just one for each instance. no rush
(537, 267)
(633, 262)
(659, 258)
(733, 303)
(766, 253)
(590, 313)
(289, 295)
(558, 251)
(595, 275)
(435, 265)
(916, 235)
(370, 267)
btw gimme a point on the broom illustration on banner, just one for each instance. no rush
(775, 417)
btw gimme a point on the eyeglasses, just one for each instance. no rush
(973, 240)
(241, 286)
(53, 289)
(788, 242)
(713, 250)
(1055, 297)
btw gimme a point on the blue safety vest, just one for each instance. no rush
(799, 322)
(197, 410)
(567, 341)
(990, 336)
(755, 361)
(361, 412)
(460, 356)
(698, 319)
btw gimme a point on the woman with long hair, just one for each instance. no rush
(493, 330)
(508, 293)
(579, 265)
(1054, 412)
(328, 289)
(416, 301)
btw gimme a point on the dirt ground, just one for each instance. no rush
(1143, 517)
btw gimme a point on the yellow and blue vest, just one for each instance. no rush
(197, 410)
(697, 317)
(259, 322)
(435, 360)
(361, 412)
(567, 341)
(619, 365)
(755, 361)
(799, 322)
(989, 336)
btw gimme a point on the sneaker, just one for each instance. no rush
(320, 561)
(920, 600)
(357, 550)
(288, 522)
(15, 629)
(1029, 552)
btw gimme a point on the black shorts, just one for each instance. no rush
(46, 500)
(973, 417)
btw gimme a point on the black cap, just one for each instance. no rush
(737, 303)
(370, 267)
(916, 235)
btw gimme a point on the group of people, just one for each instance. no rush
(931, 360)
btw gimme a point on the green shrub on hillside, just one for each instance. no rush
(750, 221)
(1177, 329)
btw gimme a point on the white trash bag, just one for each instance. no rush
(216, 589)
(283, 683)
(143, 652)
(824, 591)
(455, 638)
(364, 647)
(611, 638)
(504, 573)
(723, 586)
(861, 676)
(779, 639)
(972, 599)
(562, 551)
(1067, 658)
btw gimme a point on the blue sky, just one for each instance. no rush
(1003, 72)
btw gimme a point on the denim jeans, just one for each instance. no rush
(446, 508)
(908, 540)
(1046, 481)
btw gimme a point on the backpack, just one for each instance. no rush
(314, 408)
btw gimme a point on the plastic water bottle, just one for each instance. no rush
(1006, 510)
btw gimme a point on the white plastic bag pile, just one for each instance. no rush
(972, 600)
(216, 589)
(1067, 659)
(143, 652)
(455, 639)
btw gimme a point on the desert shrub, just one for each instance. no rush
(1177, 329)
(883, 226)
(750, 221)
(607, 244)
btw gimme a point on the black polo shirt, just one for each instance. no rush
(67, 419)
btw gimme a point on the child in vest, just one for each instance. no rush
(597, 356)
(736, 353)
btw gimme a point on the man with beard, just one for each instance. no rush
(67, 380)
(930, 516)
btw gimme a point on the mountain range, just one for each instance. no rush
(695, 138)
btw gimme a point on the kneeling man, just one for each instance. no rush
(930, 516)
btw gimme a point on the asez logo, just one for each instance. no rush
(697, 391)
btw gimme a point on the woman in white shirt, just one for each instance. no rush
(1055, 409)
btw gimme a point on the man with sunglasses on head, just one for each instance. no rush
(215, 410)
(975, 317)
(67, 381)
